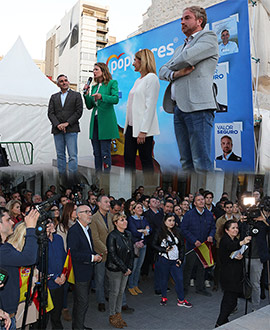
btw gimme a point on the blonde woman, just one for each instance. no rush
(141, 118)
(14, 210)
(17, 240)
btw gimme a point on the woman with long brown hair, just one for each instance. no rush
(103, 124)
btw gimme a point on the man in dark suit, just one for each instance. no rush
(79, 241)
(226, 146)
(64, 111)
(190, 92)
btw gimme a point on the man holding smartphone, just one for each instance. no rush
(11, 259)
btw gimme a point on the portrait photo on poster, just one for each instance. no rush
(228, 141)
(227, 33)
(220, 86)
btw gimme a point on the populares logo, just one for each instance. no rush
(114, 56)
(125, 62)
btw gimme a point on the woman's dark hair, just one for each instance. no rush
(127, 205)
(227, 226)
(164, 232)
(25, 206)
(66, 216)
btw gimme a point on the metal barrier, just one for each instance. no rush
(20, 152)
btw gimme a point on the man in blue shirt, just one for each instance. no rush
(227, 47)
(64, 111)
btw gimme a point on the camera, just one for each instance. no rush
(252, 212)
(44, 214)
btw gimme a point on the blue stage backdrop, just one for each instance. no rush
(232, 79)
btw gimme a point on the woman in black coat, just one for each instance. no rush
(231, 269)
(119, 264)
(170, 246)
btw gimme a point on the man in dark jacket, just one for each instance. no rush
(79, 241)
(64, 111)
(197, 226)
(11, 259)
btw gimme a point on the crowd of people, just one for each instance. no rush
(115, 243)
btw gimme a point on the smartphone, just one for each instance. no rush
(3, 276)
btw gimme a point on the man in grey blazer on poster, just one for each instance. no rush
(64, 111)
(190, 93)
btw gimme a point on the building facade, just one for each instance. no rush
(71, 47)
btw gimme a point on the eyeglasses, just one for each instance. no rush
(61, 81)
(86, 211)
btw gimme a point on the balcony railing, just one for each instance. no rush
(20, 152)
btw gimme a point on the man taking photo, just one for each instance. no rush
(11, 259)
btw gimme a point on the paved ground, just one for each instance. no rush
(257, 320)
(150, 315)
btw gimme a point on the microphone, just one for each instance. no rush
(88, 85)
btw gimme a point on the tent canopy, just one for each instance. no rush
(21, 79)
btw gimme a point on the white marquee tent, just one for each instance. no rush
(24, 95)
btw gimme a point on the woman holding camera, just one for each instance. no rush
(119, 264)
(231, 274)
(171, 251)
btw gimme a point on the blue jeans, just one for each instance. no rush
(135, 275)
(69, 141)
(102, 151)
(12, 325)
(102, 282)
(193, 135)
(167, 267)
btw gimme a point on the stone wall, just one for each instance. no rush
(162, 12)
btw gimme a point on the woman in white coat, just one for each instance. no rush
(141, 119)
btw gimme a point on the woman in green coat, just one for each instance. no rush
(103, 124)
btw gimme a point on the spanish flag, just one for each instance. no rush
(204, 253)
(68, 269)
(49, 306)
(24, 282)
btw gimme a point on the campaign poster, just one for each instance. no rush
(232, 81)
(228, 143)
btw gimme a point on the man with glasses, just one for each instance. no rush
(79, 241)
(64, 111)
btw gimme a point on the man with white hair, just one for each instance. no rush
(37, 199)
(79, 241)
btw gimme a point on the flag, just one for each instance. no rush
(49, 306)
(68, 269)
(24, 281)
(204, 253)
